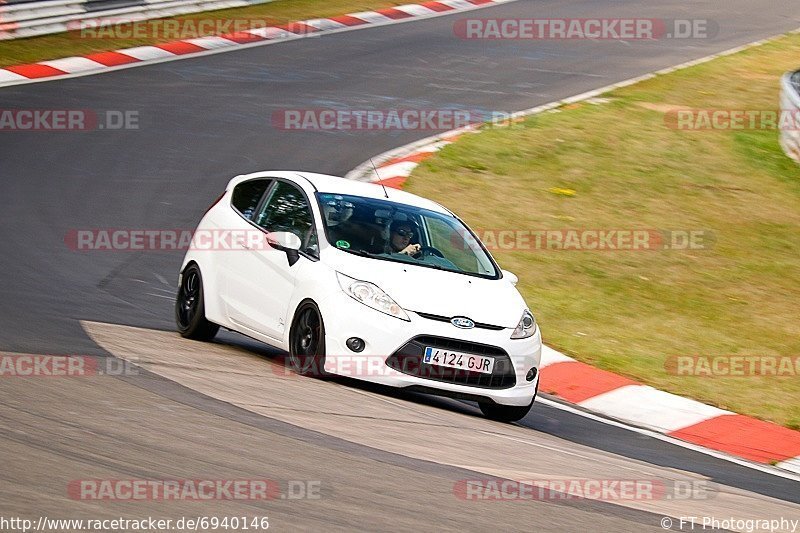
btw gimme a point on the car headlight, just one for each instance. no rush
(372, 296)
(526, 327)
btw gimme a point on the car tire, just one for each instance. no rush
(505, 413)
(190, 310)
(307, 341)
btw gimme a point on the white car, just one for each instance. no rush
(355, 279)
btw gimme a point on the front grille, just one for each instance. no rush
(409, 360)
(440, 318)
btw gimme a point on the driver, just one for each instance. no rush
(400, 234)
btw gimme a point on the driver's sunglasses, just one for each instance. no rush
(405, 233)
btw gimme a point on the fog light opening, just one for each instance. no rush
(355, 344)
(531, 375)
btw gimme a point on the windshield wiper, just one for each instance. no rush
(362, 253)
(436, 267)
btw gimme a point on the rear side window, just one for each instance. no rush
(247, 195)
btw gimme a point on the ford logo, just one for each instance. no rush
(462, 322)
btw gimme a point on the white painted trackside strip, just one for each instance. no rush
(432, 148)
(211, 42)
(652, 408)
(144, 53)
(7, 75)
(415, 10)
(397, 170)
(456, 4)
(73, 64)
(324, 24)
(551, 357)
(260, 32)
(272, 33)
(792, 465)
(371, 16)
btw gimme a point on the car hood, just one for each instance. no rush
(427, 290)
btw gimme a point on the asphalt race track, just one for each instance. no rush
(193, 413)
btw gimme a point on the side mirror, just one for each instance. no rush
(286, 242)
(511, 277)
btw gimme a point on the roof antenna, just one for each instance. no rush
(385, 193)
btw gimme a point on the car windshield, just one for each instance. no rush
(402, 233)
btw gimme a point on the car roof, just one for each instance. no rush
(332, 184)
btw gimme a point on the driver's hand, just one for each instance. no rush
(411, 249)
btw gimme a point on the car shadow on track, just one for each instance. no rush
(279, 360)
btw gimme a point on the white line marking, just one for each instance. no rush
(464, 89)
(567, 72)
(554, 449)
(666, 438)
(160, 296)
(793, 465)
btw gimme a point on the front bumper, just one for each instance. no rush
(390, 341)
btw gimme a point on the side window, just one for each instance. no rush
(247, 195)
(288, 210)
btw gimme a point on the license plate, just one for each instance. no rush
(462, 361)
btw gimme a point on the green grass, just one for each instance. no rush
(627, 311)
(66, 44)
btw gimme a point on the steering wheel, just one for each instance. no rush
(430, 250)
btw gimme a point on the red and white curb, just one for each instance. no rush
(129, 57)
(602, 392)
(688, 420)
